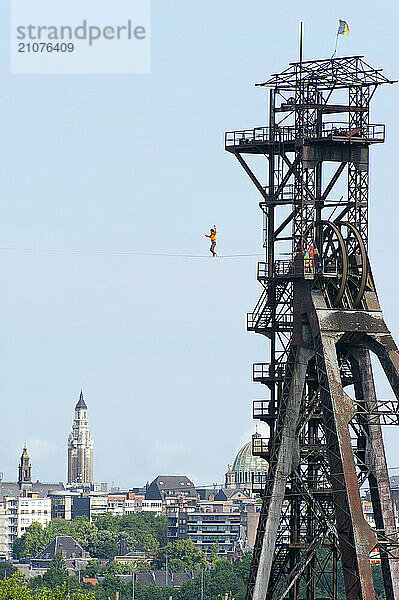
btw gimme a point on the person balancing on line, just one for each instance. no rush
(212, 235)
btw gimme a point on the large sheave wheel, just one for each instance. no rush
(334, 263)
(357, 264)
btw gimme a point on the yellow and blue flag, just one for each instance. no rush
(343, 28)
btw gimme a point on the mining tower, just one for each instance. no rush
(320, 312)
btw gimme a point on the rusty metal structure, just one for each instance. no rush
(320, 312)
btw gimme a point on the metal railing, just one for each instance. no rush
(328, 130)
(280, 267)
(283, 322)
(260, 446)
(287, 193)
(260, 135)
(260, 408)
(256, 320)
(261, 271)
(299, 266)
(284, 267)
(267, 371)
(259, 482)
(337, 130)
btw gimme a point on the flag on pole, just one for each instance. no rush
(343, 28)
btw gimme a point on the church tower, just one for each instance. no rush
(230, 478)
(24, 471)
(80, 447)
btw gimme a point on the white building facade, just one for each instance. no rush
(16, 515)
(3, 541)
(32, 510)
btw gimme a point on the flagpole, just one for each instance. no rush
(336, 45)
(300, 49)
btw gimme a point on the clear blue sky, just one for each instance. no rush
(136, 163)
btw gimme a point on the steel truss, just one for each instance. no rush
(320, 311)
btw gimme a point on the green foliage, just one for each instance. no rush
(79, 528)
(128, 567)
(16, 588)
(61, 592)
(107, 522)
(153, 593)
(378, 582)
(101, 538)
(183, 555)
(112, 584)
(223, 579)
(142, 566)
(242, 567)
(92, 569)
(6, 569)
(57, 573)
(143, 531)
(35, 538)
(31, 543)
(103, 544)
(214, 556)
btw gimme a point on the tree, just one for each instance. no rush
(120, 568)
(222, 580)
(141, 566)
(112, 584)
(62, 592)
(15, 588)
(150, 592)
(92, 569)
(214, 556)
(378, 582)
(79, 528)
(218, 582)
(7, 569)
(82, 530)
(183, 555)
(30, 543)
(242, 567)
(103, 544)
(125, 568)
(144, 530)
(108, 522)
(57, 573)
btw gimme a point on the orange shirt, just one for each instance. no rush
(213, 235)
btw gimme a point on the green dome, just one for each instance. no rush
(245, 464)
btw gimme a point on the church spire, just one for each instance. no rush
(24, 469)
(81, 403)
(80, 447)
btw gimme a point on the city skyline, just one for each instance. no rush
(157, 343)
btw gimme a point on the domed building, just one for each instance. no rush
(245, 466)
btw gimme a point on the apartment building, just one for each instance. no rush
(17, 515)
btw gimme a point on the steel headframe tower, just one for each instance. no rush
(320, 311)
